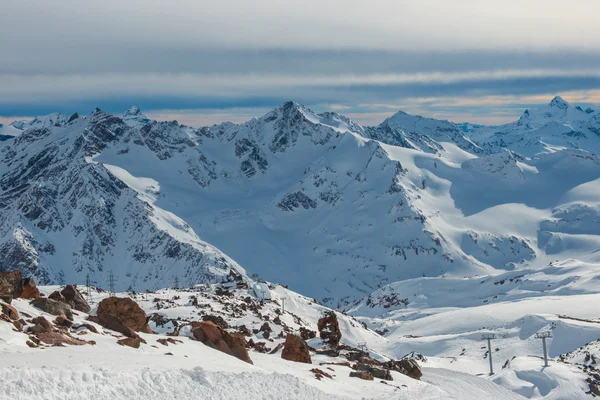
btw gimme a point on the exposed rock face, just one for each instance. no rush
(113, 322)
(216, 337)
(408, 367)
(366, 375)
(378, 373)
(30, 290)
(9, 311)
(329, 329)
(306, 334)
(75, 299)
(41, 325)
(131, 342)
(57, 296)
(127, 310)
(296, 349)
(53, 307)
(217, 320)
(11, 284)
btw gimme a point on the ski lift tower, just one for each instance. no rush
(489, 337)
(544, 336)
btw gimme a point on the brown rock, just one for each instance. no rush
(30, 290)
(130, 313)
(75, 299)
(366, 375)
(306, 334)
(319, 373)
(41, 325)
(217, 320)
(216, 337)
(329, 329)
(53, 307)
(18, 325)
(63, 322)
(131, 342)
(11, 284)
(113, 322)
(408, 367)
(89, 327)
(10, 311)
(378, 373)
(147, 329)
(295, 349)
(58, 338)
(57, 296)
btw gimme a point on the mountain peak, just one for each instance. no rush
(559, 102)
(132, 112)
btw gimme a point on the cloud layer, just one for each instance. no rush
(233, 58)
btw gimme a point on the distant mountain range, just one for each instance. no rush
(334, 209)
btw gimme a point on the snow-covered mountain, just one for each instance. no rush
(558, 125)
(312, 200)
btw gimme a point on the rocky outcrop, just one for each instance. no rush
(365, 375)
(408, 367)
(41, 325)
(75, 299)
(217, 320)
(57, 296)
(296, 349)
(378, 373)
(306, 334)
(329, 329)
(10, 312)
(30, 290)
(127, 310)
(11, 284)
(131, 342)
(53, 307)
(114, 323)
(216, 337)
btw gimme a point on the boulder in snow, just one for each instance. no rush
(53, 307)
(216, 337)
(296, 349)
(75, 299)
(329, 329)
(11, 284)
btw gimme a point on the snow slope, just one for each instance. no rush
(190, 369)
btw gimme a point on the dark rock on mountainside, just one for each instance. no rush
(408, 367)
(216, 337)
(364, 375)
(11, 284)
(30, 290)
(53, 307)
(75, 299)
(10, 312)
(127, 310)
(329, 329)
(296, 349)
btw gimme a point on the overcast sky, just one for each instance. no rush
(207, 61)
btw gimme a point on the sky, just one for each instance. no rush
(203, 62)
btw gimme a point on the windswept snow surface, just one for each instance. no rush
(193, 370)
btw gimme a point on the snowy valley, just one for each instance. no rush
(420, 235)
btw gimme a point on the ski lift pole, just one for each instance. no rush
(489, 337)
(544, 336)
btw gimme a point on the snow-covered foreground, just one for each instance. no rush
(190, 369)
